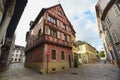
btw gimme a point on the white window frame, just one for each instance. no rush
(61, 55)
(116, 10)
(55, 54)
(115, 38)
(108, 22)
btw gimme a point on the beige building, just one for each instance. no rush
(18, 54)
(108, 17)
(88, 53)
(85, 53)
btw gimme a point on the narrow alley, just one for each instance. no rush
(98, 71)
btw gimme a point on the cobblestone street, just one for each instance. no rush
(97, 71)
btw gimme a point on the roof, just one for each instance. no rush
(83, 42)
(42, 13)
(38, 17)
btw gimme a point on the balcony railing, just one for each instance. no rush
(49, 39)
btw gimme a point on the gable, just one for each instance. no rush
(54, 13)
(58, 13)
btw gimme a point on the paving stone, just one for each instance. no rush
(99, 71)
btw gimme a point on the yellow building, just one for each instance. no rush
(84, 53)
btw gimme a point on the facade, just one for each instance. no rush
(10, 13)
(108, 16)
(88, 53)
(6, 57)
(9, 57)
(49, 44)
(18, 54)
(84, 53)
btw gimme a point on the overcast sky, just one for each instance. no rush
(81, 13)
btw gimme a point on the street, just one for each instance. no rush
(98, 71)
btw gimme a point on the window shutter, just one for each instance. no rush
(58, 34)
(58, 23)
(115, 38)
(68, 38)
(116, 10)
(47, 30)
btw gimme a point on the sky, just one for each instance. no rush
(81, 13)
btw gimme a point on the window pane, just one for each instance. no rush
(116, 10)
(62, 55)
(64, 26)
(115, 38)
(55, 34)
(53, 55)
(60, 13)
(52, 20)
(107, 20)
(51, 32)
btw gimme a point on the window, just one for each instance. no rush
(20, 55)
(17, 50)
(53, 54)
(16, 55)
(15, 59)
(64, 26)
(118, 5)
(80, 48)
(65, 37)
(19, 60)
(62, 55)
(115, 38)
(52, 20)
(53, 33)
(39, 33)
(107, 20)
(108, 37)
(60, 13)
(103, 26)
(116, 10)
(11, 59)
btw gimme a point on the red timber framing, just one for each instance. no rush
(50, 33)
